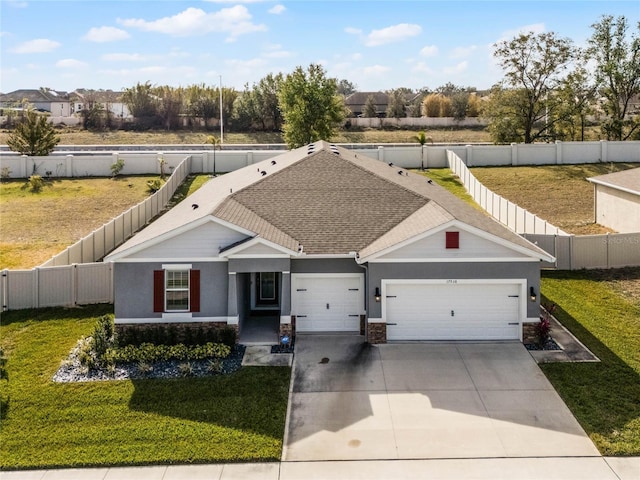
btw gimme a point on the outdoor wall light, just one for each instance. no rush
(377, 294)
(532, 293)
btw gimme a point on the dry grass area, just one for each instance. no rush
(36, 226)
(558, 193)
(625, 281)
(120, 137)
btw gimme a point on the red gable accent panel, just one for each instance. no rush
(453, 239)
(194, 290)
(158, 290)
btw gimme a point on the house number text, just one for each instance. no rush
(452, 281)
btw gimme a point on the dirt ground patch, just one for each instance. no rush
(121, 137)
(625, 281)
(559, 194)
(36, 226)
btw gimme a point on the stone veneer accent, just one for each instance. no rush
(288, 328)
(529, 333)
(377, 333)
(180, 328)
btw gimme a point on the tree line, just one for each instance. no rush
(549, 90)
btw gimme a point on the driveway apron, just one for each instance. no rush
(354, 401)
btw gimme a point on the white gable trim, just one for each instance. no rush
(175, 232)
(461, 226)
(236, 252)
(168, 260)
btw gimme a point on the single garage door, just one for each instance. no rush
(327, 303)
(452, 311)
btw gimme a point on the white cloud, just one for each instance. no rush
(39, 45)
(70, 63)
(353, 31)
(277, 9)
(106, 34)
(234, 1)
(462, 52)
(247, 64)
(122, 57)
(16, 3)
(458, 68)
(375, 70)
(429, 51)
(392, 34)
(234, 21)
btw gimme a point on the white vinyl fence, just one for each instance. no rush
(111, 235)
(506, 212)
(72, 277)
(65, 286)
(572, 252)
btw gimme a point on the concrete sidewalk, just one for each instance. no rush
(558, 468)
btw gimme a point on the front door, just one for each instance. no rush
(267, 289)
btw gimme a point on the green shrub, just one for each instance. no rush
(117, 167)
(103, 337)
(36, 183)
(149, 352)
(154, 185)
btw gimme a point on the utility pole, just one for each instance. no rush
(221, 121)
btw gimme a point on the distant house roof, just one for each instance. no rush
(35, 96)
(360, 98)
(324, 200)
(103, 96)
(625, 180)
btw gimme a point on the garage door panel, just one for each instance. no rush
(426, 311)
(327, 304)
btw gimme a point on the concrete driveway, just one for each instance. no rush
(353, 401)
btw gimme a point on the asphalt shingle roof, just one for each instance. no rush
(626, 179)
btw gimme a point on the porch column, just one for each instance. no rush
(285, 305)
(232, 300)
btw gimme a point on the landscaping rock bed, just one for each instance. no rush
(550, 344)
(72, 371)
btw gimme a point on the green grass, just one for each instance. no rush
(447, 179)
(604, 397)
(232, 418)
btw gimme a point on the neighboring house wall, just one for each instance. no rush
(617, 209)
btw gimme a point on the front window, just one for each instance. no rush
(177, 290)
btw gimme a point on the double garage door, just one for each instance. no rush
(327, 303)
(428, 310)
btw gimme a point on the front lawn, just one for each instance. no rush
(228, 418)
(604, 397)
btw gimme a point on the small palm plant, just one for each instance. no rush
(421, 138)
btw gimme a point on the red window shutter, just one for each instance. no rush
(453, 239)
(194, 290)
(158, 290)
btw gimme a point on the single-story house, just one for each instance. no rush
(46, 100)
(357, 102)
(617, 200)
(329, 240)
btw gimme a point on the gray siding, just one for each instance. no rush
(379, 271)
(243, 265)
(325, 265)
(133, 289)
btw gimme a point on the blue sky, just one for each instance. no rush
(377, 45)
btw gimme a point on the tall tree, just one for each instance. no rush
(170, 104)
(310, 105)
(345, 87)
(617, 60)
(370, 110)
(142, 103)
(534, 64)
(34, 136)
(201, 101)
(265, 95)
(396, 107)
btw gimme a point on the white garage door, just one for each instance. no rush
(459, 311)
(327, 303)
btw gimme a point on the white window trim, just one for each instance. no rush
(188, 289)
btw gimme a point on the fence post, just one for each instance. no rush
(604, 151)
(607, 248)
(558, 152)
(4, 279)
(68, 166)
(74, 284)
(469, 149)
(36, 286)
(514, 154)
(381, 154)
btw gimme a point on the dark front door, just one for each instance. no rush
(267, 289)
